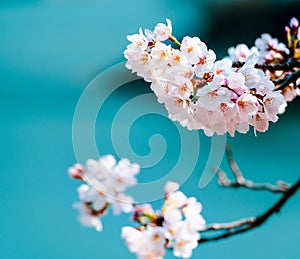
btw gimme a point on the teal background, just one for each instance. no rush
(50, 51)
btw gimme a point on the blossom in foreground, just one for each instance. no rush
(176, 226)
(148, 243)
(105, 184)
(202, 93)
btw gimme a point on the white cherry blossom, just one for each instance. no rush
(241, 52)
(106, 183)
(147, 243)
(170, 187)
(87, 218)
(176, 226)
(162, 32)
(270, 49)
(88, 194)
(184, 241)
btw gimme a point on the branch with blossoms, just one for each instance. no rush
(178, 225)
(175, 226)
(105, 184)
(220, 96)
(249, 88)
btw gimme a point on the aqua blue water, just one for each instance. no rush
(49, 52)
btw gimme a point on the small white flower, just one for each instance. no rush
(241, 52)
(205, 62)
(101, 168)
(86, 217)
(121, 203)
(269, 48)
(182, 88)
(171, 187)
(91, 195)
(259, 123)
(236, 82)
(148, 243)
(222, 66)
(178, 109)
(122, 176)
(155, 242)
(194, 49)
(192, 207)
(272, 103)
(176, 199)
(76, 171)
(172, 216)
(138, 62)
(184, 241)
(197, 54)
(211, 96)
(162, 32)
(140, 41)
(247, 105)
(266, 42)
(133, 238)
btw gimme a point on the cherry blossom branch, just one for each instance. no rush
(244, 225)
(195, 88)
(287, 66)
(240, 180)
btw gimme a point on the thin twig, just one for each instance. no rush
(244, 225)
(233, 165)
(229, 225)
(241, 182)
(281, 186)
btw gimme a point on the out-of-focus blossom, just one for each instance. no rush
(106, 183)
(176, 226)
(241, 52)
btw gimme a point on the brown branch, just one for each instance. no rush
(290, 79)
(229, 225)
(241, 182)
(287, 66)
(244, 225)
(233, 165)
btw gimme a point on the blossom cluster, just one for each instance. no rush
(176, 226)
(201, 92)
(105, 184)
(271, 51)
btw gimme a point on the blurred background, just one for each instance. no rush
(49, 52)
